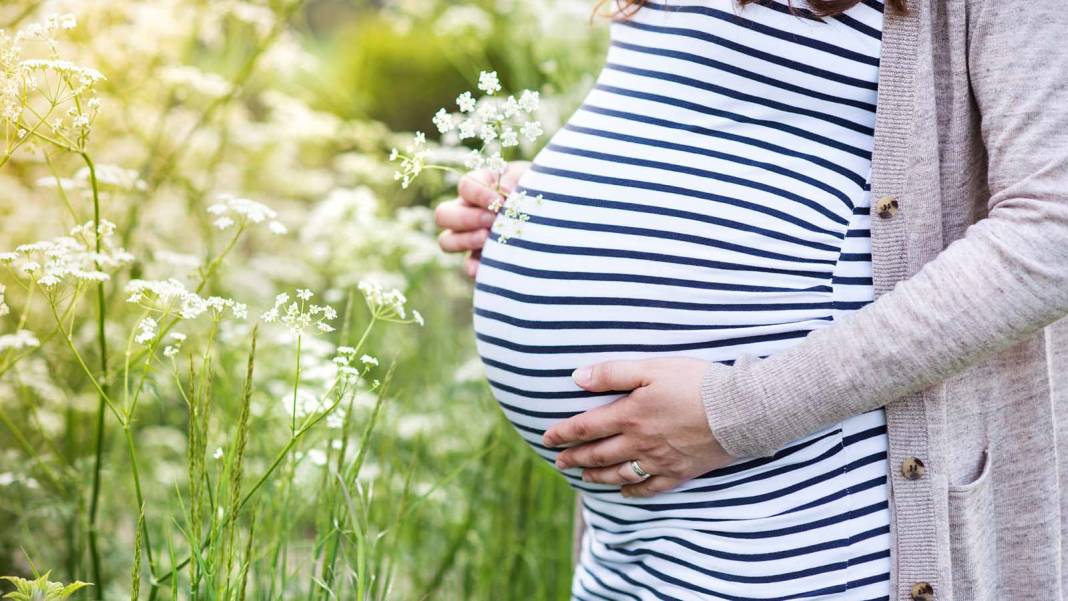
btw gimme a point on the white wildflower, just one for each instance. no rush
(72, 258)
(532, 130)
(444, 121)
(412, 160)
(231, 210)
(466, 102)
(529, 101)
(474, 160)
(513, 214)
(488, 82)
(299, 316)
(469, 128)
(388, 305)
(146, 330)
(218, 454)
(509, 138)
(368, 360)
(20, 340)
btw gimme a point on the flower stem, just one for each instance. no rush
(296, 389)
(94, 502)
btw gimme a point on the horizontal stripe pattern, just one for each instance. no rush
(710, 198)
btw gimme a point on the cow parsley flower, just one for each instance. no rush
(171, 350)
(146, 331)
(488, 82)
(412, 160)
(496, 123)
(300, 315)
(513, 214)
(69, 259)
(170, 297)
(231, 210)
(466, 102)
(20, 340)
(388, 305)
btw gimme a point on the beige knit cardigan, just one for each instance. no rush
(971, 272)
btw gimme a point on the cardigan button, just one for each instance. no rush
(886, 207)
(922, 591)
(913, 468)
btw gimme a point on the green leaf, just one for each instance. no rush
(41, 589)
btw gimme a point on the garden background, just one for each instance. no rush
(172, 166)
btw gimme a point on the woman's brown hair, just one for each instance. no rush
(821, 8)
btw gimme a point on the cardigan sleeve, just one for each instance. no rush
(1003, 281)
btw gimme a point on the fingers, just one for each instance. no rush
(478, 188)
(594, 424)
(471, 263)
(651, 487)
(621, 473)
(601, 453)
(612, 375)
(458, 216)
(451, 241)
(511, 176)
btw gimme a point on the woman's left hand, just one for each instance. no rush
(661, 424)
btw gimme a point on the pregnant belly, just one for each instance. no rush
(586, 284)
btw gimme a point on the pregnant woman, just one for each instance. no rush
(688, 327)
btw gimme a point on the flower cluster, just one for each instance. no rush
(514, 214)
(24, 82)
(412, 160)
(171, 350)
(171, 298)
(389, 304)
(496, 122)
(346, 360)
(20, 340)
(50, 263)
(300, 314)
(231, 211)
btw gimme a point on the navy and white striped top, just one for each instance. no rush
(710, 198)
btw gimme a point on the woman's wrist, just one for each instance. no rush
(735, 409)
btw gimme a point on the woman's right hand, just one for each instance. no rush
(467, 220)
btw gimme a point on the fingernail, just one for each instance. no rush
(487, 219)
(582, 376)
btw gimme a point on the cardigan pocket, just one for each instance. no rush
(973, 537)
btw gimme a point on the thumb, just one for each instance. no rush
(611, 376)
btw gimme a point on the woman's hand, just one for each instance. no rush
(661, 424)
(467, 219)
